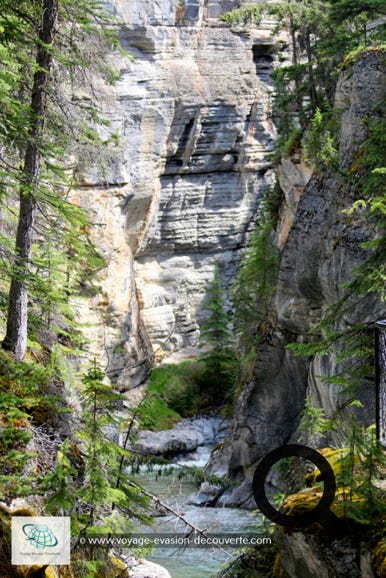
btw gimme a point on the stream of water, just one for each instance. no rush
(192, 562)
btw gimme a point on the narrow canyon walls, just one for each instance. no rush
(189, 161)
(322, 249)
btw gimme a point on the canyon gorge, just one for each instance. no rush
(192, 243)
(193, 113)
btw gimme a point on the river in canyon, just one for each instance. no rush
(175, 488)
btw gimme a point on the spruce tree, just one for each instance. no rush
(106, 487)
(90, 482)
(256, 280)
(16, 335)
(42, 47)
(216, 334)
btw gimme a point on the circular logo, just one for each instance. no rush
(40, 535)
(320, 513)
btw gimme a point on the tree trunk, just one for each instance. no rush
(17, 319)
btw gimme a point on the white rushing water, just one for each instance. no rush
(176, 490)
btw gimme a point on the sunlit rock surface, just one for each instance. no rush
(192, 116)
(185, 436)
(140, 568)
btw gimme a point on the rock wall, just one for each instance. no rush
(191, 112)
(322, 248)
(309, 555)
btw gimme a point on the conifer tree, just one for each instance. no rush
(105, 485)
(360, 469)
(16, 336)
(256, 280)
(95, 489)
(42, 46)
(216, 334)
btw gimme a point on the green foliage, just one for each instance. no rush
(220, 360)
(90, 482)
(353, 344)
(256, 280)
(62, 266)
(344, 11)
(26, 399)
(215, 331)
(207, 382)
(78, 22)
(58, 482)
(181, 390)
(302, 86)
(319, 143)
(321, 34)
(305, 84)
(62, 135)
(289, 143)
(353, 349)
(186, 388)
(244, 15)
(359, 471)
(166, 383)
(314, 424)
(367, 178)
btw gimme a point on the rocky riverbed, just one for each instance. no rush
(185, 436)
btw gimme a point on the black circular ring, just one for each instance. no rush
(321, 510)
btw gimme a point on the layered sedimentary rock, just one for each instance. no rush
(204, 107)
(191, 159)
(322, 249)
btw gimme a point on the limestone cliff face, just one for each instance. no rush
(322, 248)
(202, 131)
(192, 113)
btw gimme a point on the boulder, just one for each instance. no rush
(140, 568)
(185, 436)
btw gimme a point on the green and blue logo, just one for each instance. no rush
(40, 535)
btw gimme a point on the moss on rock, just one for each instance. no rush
(379, 559)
